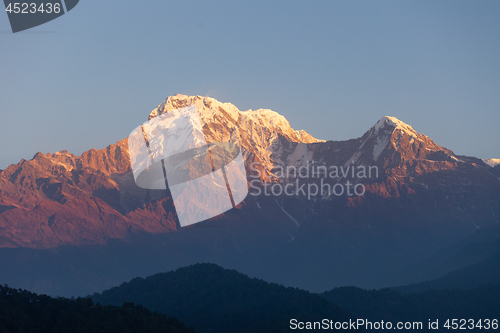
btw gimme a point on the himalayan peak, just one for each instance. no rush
(57, 199)
(216, 114)
(492, 162)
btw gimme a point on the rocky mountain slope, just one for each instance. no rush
(57, 199)
(419, 198)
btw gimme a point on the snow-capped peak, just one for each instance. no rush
(208, 105)
(258, 131)
(492, 162)
(396, 124)
(272, 118)
(214, 112)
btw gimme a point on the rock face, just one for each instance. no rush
(417, 198)
(258, 130)
(59, 199)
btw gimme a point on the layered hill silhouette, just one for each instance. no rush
(59, 199)
(213, 299)
(470, 264)
(478, 307)
(24, 311)
(84, 218)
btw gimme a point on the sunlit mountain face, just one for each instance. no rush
(319, 214)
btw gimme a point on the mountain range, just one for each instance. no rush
(76, 224)
(213, 299)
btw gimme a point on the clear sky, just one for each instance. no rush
(333, 68)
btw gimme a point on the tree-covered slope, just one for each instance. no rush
(26, 312)
(376, 305)
(214, 299)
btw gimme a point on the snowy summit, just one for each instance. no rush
(492, 162)
(396, 124)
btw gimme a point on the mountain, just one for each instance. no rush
(84, 218)
(492, 162)
(472, 262)
(23, 311)
(485, 272)
(217, 300)
(477, 309)
(60, 199)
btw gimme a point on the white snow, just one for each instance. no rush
(301, 154)
(297, 224)
(380, 145)
(215, 111)
(396, 124)
(492, 161)
(456, 159)
(383, 130)
(64, 165)
(354, 158)
(258, 130)
(270, 117)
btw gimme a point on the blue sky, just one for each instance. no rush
(332, 68)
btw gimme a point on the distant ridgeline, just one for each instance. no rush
(73, 225)
(214, 299)
(218, 300)
(473, 309)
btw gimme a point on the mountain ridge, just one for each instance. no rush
(29, 189)
(423, 198)
(45, 191)
(214, 299)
